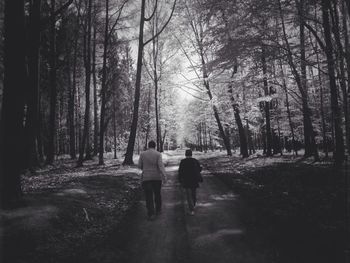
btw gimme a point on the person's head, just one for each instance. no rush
(188, 153)
(151, 144)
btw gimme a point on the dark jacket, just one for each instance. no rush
(190, 173)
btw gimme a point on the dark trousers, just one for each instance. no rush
(152, 195)
(191, 197)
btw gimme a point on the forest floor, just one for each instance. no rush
(298, 207)
(277, 209)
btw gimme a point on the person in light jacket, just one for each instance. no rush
(189, 178)
(153, 173)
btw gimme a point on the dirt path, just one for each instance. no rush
(213, 235)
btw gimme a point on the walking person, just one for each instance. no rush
(189, 177)
(153, 173)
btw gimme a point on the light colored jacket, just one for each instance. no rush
(151, 164)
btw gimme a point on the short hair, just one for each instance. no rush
(188, 153)
(151, 144)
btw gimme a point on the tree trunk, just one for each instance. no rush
(347, 54)
(242, 135)
(339, 141)
(307, 135)
(148, 117)
(94, 78)
(87, 63)
(222, 132)
(53, 89)
(266, 104)
(114, 129)
(39, 134)
(308, 128)
(12, 114)
(323, 121)
(155, 79)
(104, 87)
(342, 76)
(71, 117)
(348, 5)
(156, 112)
(70, 113)
(32, 126)
(224, 137)
(131, 143)
(288, 109)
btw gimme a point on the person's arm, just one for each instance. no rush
(180, 172)
(140, 163)
(199, 167)
(161, 167)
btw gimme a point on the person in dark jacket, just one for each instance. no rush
(189, 178)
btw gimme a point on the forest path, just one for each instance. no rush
(214, 234)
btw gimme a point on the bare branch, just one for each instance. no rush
(314, 33)
(167, 22)
(117, 20)
(62, 8)
(154, 11)
(45, 21)
(188, 58)
(194, 96)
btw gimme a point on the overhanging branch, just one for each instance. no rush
(167, 22)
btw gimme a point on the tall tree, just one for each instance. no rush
(87, 64)
(339, 140)
(309, 134)
(32, 119)
(107, 35)
(131, 143)
(266, 104)
(94, 78)
(53, 89)
(12, 114)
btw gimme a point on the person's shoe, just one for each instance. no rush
(192, 213)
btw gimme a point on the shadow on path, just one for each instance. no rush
(213, 235)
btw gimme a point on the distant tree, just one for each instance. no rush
(108, 32)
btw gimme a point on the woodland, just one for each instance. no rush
(258, 89)
(83, 78)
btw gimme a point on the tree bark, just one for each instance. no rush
(338, 132)
(87, 63)
(148, 117)
(70, 113)
(266, 104)
(32, 127)
(103, 123)
(347, 55)
(53, 89)
(224, 137)
(131, 143)
(309, 133)
(94, 78)
(341, 66)
(288, 109)
(12, 114)
(241, 132)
